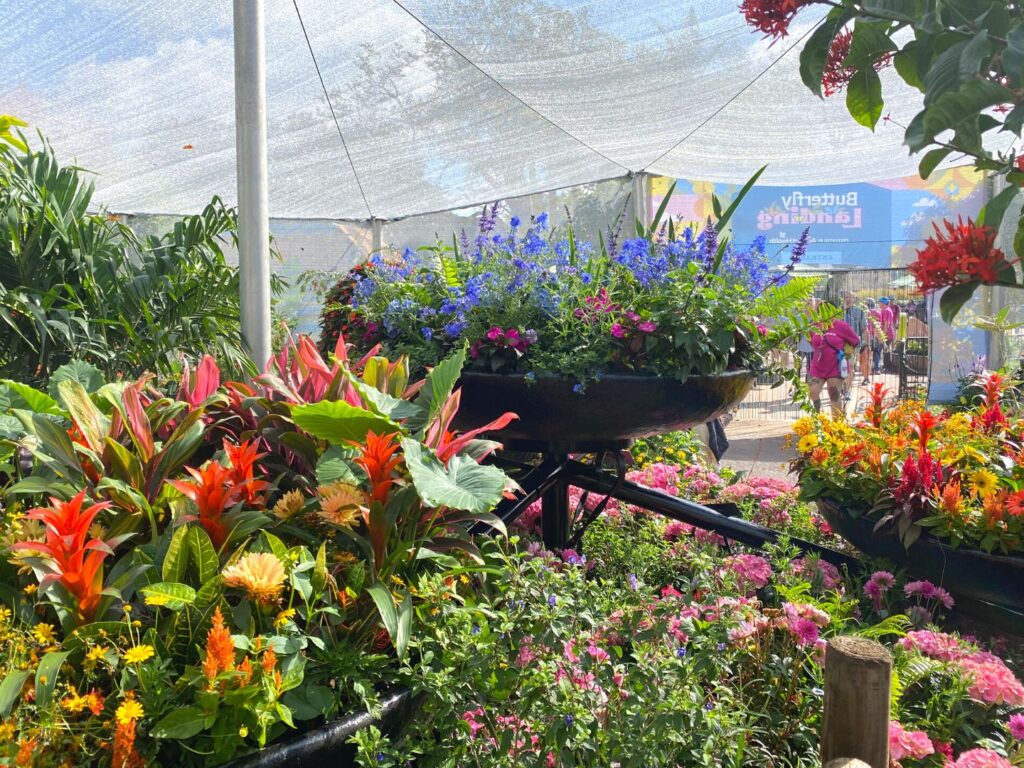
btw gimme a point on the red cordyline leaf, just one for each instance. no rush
(74, 560)
(964, 253)
(206, 381)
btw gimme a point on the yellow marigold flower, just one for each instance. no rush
(342, 504)
(139, 654)
(129, 711)
(260, 574)
(30, 589)
(807, 443)
(803, 426)
(44, 634)
(5, 614)
(6, 732)
(288, 505)
(983, 482)
(284, 617)
(96, 654)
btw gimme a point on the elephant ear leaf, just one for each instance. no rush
(462, 484)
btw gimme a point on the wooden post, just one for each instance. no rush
(858, 673)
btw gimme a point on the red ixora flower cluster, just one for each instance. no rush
(772, 17)
(835, 76)
(965, 253)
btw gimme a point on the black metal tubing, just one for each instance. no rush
(591, 479)
(327, 744)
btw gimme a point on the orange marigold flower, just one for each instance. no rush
(260, 574)
(220, 651)
(819, 456)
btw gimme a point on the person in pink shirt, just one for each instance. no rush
(825, 364)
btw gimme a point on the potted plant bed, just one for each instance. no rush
(971, 573)
(327, 744)
(616, 408)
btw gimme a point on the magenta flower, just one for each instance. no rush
(805, 631)
(618, 331)
(495, 334)
(1016, 726)
(762, 329)
(647, 326)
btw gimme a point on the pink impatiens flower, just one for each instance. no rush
(904, 743)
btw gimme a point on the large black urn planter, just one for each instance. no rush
(327, 744)
(617, 408)
(969, 573)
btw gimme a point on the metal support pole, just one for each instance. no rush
(378, 235)
(554, 521)
(641, 198)
(251, 163)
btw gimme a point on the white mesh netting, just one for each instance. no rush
(443, 103)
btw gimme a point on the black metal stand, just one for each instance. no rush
(562, 527)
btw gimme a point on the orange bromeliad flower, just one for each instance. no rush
(378, 460)
(243, 460)
(72, 559)
(876, 405)
(924, 423)
(220, 650)
(212, 490)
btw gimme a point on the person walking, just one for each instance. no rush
(887, 319)
(858, 321)
(826, 367)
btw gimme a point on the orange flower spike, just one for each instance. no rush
(994, 506)
(243, 460)
(245, 670)
(125, 755)
(949, 497)
(220, 650)
(379, 462)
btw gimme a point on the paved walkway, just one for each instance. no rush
(756, 447)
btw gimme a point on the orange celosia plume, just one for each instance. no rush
(220, 650)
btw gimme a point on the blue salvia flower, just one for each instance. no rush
(709, 243)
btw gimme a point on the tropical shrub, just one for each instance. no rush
(958, 476)
(196, 568)
(76, 285)
(967, 58)
(672, 301)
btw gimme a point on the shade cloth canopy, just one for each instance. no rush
(429, 105)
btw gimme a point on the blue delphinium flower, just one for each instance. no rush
(455, 328)
(569, 720)
(579, 389)
(427, 333)
(515, 222)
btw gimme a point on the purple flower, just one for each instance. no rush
(552, 600)
(647, 326)
(427, 333)
(632, 582)
(495, 334)
(618, 331)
